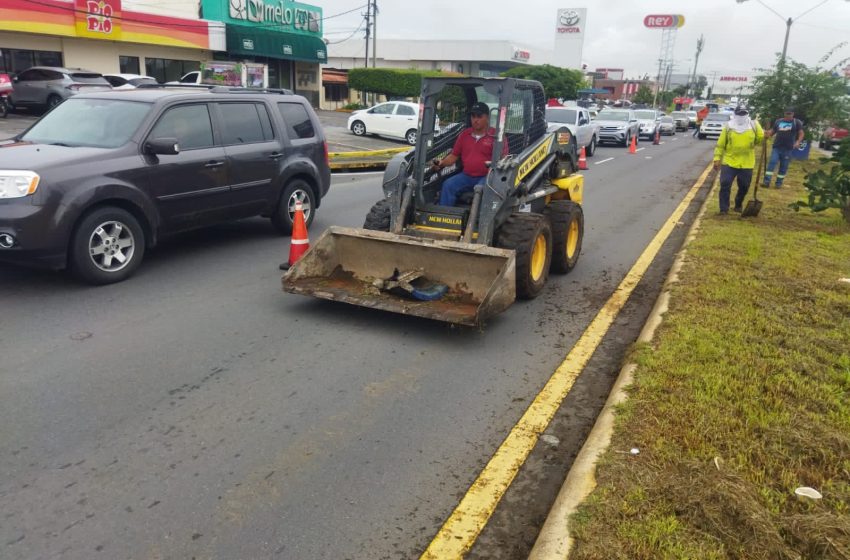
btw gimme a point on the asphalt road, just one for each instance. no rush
(196, 411)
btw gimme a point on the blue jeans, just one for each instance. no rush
(729, 174)
(457, 184)
(781, 156)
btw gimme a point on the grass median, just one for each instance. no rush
(742, 397)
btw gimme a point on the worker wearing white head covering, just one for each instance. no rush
(741, 121)
(736, 151)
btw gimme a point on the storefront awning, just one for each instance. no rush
(245, 40)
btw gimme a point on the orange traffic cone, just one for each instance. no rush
(633, 145)
(582, 160)
(299, 243)
(657, 139)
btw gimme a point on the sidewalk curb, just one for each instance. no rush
(554, 540)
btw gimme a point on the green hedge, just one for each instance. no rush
(391, 82)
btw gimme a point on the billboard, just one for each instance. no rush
(570, 26)
(664, 21)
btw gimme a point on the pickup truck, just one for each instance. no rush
(577, 120)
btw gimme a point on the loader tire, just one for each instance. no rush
(567, 219)
(530, 236)
(378, 218)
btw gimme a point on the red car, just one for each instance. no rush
(5, 90)
(832, 136)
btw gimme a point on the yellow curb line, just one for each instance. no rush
(461, 529)
(554, 540)
(370, 153)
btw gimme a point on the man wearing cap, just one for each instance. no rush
(736, 151)
(474, 147)
(789, 134)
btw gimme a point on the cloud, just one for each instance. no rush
(738, 37)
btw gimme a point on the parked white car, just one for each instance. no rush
(394, 119)
(578, 121)
(128, 81)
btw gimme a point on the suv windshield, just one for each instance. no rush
(645, 115)
(612, 116)
(97, 123)
(721, 117)
(561, 115)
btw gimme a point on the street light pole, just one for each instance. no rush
(785, 45)
(788, 23)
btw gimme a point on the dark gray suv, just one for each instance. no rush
(103, 176)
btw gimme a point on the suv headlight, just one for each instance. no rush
(16, 184)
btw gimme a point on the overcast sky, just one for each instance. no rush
(738, 37)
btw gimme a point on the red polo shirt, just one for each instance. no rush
(474, 152)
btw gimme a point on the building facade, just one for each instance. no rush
(107, 36)
(284, 35)
(165, 40)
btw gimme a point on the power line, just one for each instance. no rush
(347, 38)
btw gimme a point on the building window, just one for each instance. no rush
(336, 92)
(15, 61)
(169, 70)
(129, 64)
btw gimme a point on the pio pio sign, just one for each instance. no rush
(98, 19)
(664, 21)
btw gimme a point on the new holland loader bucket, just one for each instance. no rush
(345, 263)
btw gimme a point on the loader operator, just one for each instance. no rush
(474, 146)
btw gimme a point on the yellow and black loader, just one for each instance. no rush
(464, 263)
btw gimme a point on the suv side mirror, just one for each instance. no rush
(162, 146)
(14, 79)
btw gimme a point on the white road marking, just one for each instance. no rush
(661, 143)
(639, 149)
(674, 139)
(648, 157)
(603, 161)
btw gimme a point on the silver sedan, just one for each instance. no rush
(667, 126)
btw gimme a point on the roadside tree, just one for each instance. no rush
(830, 187)
(561, 83)
(391, 82)
(818, 94)
(643, 95)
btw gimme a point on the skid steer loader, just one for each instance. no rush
(463, 263)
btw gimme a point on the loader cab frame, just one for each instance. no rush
(517, 113)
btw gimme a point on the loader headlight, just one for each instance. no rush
(17, 184)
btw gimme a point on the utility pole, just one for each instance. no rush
(368, 16)
(366, 59)
(700, 43)
(657, 82)
(374, 31)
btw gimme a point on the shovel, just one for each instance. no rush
(753, 207)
